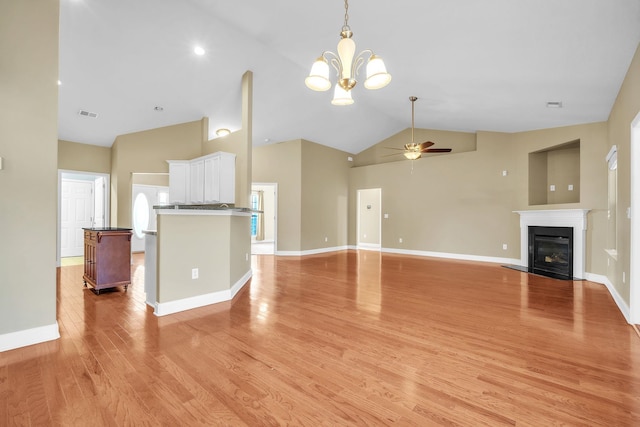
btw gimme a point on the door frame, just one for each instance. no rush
(275, 211)
(86, 176)
(634, 256)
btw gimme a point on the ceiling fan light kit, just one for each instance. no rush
(347, 66)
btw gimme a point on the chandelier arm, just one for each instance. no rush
(359, 60)
(334, 60)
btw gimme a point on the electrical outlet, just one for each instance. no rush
(194, 273)
(386, 216)
(505, 173)
(246, 256)
(570, 187)
(504, 246)
(400, 240)
(326, 239)
(552, 187)
(365, 235)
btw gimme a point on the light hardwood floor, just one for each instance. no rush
(348, 338)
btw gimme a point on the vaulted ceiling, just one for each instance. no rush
(474, 65)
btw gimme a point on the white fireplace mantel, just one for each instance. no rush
(575, 218)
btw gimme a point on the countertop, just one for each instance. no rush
(205, 207)
(107, 229)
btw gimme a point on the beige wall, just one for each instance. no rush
(312, 193)
(240, 143)
(28, 180)
(593, 179)
(460, 203)
(455, 203)
(148, 151)
(282, 163)
(625, 109)
(217, 245)
(83, 157)
(325, 193)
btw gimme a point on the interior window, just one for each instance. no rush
(140, 215)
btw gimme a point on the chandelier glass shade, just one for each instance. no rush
(347, 65)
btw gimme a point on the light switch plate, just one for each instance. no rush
(552, 187)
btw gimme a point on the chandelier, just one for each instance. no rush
(347, 67)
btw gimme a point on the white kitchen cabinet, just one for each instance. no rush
(220, 178)
(179, 181)
(196, 180)
(206, 179)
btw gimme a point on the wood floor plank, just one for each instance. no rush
(346, 338)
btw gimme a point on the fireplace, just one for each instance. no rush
(551, 251)
(575, 219)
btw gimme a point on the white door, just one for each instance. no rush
(143, 217)
(369, 226)
(76, 213)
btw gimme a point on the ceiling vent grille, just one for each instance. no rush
(88, 114)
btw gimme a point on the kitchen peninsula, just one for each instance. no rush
(202, 255)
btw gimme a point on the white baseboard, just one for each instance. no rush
(312, 251)
(29, 337)
(369, 246)
(462, 257)
(171, 307)
(620, 302)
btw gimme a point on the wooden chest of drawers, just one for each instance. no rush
(107, 258)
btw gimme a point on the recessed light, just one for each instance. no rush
(198, 50)
(554, 104)
(223, 132)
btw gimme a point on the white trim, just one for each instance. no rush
(171, 307)
(313, 251)
(462, 257)
(575, 218)
(27, 337)
(620, 302)
(369, 246)
(634, 254)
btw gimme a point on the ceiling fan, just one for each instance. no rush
(414, 150)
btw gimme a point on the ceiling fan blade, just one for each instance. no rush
(426, 144)
(436, 150)
(392, 154)
(394, 148)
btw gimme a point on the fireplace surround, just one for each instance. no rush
(570, 218)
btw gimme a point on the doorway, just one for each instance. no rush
(264, 230)
(634, 272)
(369, 224)
(83, 202)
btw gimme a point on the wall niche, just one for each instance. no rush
(554, 174)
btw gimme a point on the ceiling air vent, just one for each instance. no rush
(88, 114)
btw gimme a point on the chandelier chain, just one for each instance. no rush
(345, 27)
